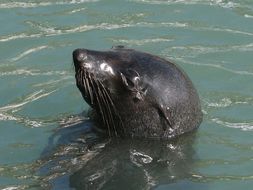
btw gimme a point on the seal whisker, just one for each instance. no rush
(88, 81)
(104, 106)
(78, 77)
(112, 105)
(100, 106)
(101, 90)
(80, 82)
(82, 76)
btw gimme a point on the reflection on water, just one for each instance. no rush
(80, 158)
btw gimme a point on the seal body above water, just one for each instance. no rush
(137, 94)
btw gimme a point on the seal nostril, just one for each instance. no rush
(79, 55)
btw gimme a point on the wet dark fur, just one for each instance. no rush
(137, 94)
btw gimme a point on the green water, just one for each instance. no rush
(211, 40)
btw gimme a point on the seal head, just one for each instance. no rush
(137, 94)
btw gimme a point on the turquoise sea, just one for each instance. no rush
(45, 142)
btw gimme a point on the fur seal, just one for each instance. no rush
(137, 94)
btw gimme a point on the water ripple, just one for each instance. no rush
(30, 98)
(52, 31)
(228, 30)
(216, 66)
(224, 102)
(32, 72)
(248, 16)
(221, 3)
(193, 51)
(227, 178)
(27, 52)
(28, 122)
(19, 36)
(143, 41)
(75, 10)
(7, 112)
(52, 82)
(55, 31)
(247, 126)
(12, 5)
(18, 187)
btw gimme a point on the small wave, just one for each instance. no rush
(52, 82)
(169, 2)
(30, 98)
(228, 30)
(27, 52)
(225, 3)
(7, 112)
(26, 121)
(19, 36)
(19, 187)
(53, 31)
(216, 178)
(7, 117)
(144, 41)
(76, 10)
(242, 126)
(32, 73)
(215, 66)
(248, 16)
(193, 51)
(72, 120)
(40, 4)
(224, 102)
(221, 3)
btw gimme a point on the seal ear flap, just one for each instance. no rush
(131, 80)
(126, 81)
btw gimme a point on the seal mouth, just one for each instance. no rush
(95, 93)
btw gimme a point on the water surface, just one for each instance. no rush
(212, 40)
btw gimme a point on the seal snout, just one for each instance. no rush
(79, 56)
